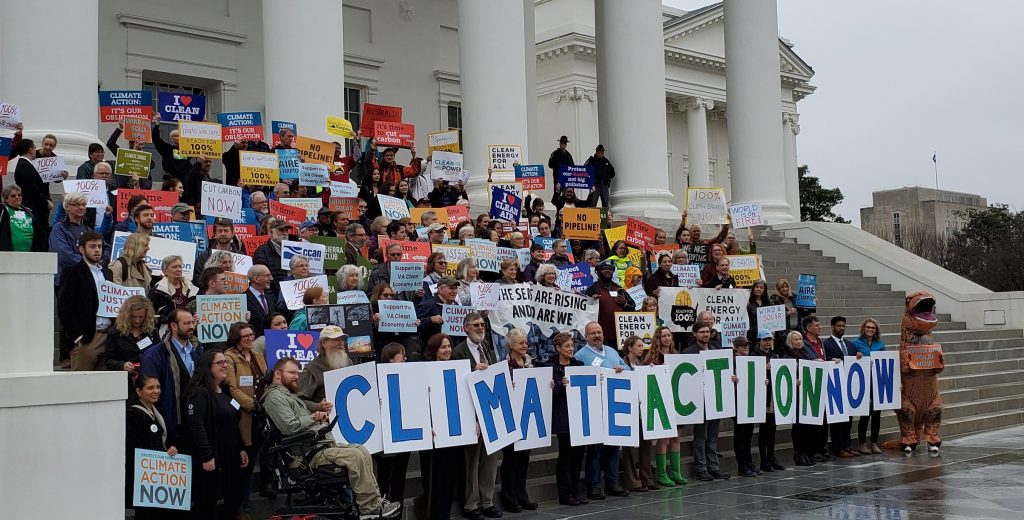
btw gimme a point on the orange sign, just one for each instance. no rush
(254, 242)
(411, 251)
(315, 151)
(347, 206)
(137, 129)
(416, 214)
(235, 283)
(924, 357)
(581, 223)
(292, 215)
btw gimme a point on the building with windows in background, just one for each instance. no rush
(895, 213)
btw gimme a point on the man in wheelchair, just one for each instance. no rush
(305, 443)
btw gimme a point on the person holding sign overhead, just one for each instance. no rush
(145, 429)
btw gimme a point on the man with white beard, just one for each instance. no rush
(330, 355)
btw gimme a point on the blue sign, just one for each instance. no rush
(241, 126)
(248, 217)
(299, 345)
(581, 276)
(162, 481)
(531, 175)
(277, 126)
(181, 107)
(807, 290)
(572, 176)
(505, 205)
(181, 231)
(288, 163)
(199, 237)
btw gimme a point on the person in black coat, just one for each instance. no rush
(269, 254)
(721, 278)
(145, 430)
(230, 158)
(836, 348)
(35, 192)
(570, 458)
(10, 205)
(134, 330)
(78, 304)
(603, 174)
(211, 423)
(559, 157)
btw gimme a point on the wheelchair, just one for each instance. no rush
(311, 493)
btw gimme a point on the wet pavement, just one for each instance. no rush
(979, 476)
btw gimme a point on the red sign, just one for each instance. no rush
(411, 251)
(162, 201)
(114, 114)
(3, 165)
(292, 215)
(373, 113)
(388, 133)
(254, 242)
(242, 231)
(456, 216)
(639, 233)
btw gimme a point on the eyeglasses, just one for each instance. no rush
(248, 336)
(387, 295)
(441, 262)
(221, 363)
(477, 324)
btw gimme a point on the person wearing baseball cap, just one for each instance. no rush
(323, 221)
(429, 310)
(435, 233)
(766, 433)
(331, 354)
(180, 212)
(308, 229)
(560, 157)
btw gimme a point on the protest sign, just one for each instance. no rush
(160, 248)
(446, 166)
(254, 242)
(483, 296)
(857, 385)
(51, 169)
(406, 276)
(277, 126)
(456, 216)
(639, 324)
(162, 481)
(343, 189)
(393, 208)
(637, 294)
(373, 113)
(196, 139)
(411, 251)
(311, 205)
(393, 133)
(654, 394)
(313, 174)
(531, 175)
(240, 263)
(443, 141)
(221, 200)
(505, 205)
(5, 151)
(491, 392)
(835, 402)
(112, 296)
(416, 214)
(581, 223)
(746, 215)
(686, 373)
(514, 187)
(531, 400)
(679, 306)
(806, 291)
(315, 151)
(613, 235)
(575, 277)
(132, 162)
(116, 105)
(705, 206)
(181, 107)
(216, 314)
(639, 234)
(294, 216)
(486, 254)
(340, 127)
(731, 330)
(299, 345)
(334, 251)
(745, 269)
(688, 275)
(925, 357)
(452, 254)
(235, 283)
(350, 297)
(453, 316)
(719, 391)
(288, 163)
(405, 417)
(503, 157)
(751, 392)
(621, 410)
(10, 116)
(161, 201)
(397, 316)
(353, 391)
(293, 290)
(771, 318)
(240, 126)
(811, 409)
(697, 254)
(314, 252)
(585, 405)
(523, 305)
(95, 191)
(137, 129)
(577, 177)
(451, 407)
(784, 398)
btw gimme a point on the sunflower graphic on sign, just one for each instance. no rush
(684, 312)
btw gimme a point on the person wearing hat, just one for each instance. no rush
(560, 157)
(603, 174)
(323, 222)
(180, 212)
(308, 229)
(610, 296)
(429, 309)
(435, 233)
(331, 354)
(766, 433)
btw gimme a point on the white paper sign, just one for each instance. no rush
(835, 393)
(746, 215)
(242, 263)
(585, 404)
(705, 206)
(311, 205)
(654, 393)
(10, 116)
(353, 391)
(751, 392)
(51, 169)
(771, 318)
(886, 380)
(784, 390)
(344, 189)
(313, 174)
(812, 376)
(112, 296)
(719, 391)
(315, 252)
(622, 410)
(221, 200)
(687, 380)
(484, 296)
(491, 392)
(451, 407)
(293, 290)
(531, 397)
(392, 207)
(687, 274)
(160, 248)
(405, 409)
(95, 191)
(446, 166)
(858, 385)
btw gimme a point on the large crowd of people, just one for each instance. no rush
(201, 398)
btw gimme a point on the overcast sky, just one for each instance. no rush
(899, 80)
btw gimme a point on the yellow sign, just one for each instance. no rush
(745, 269)
(452, 254)
(443, 141)
(196, 139)
(581, 223)
(339, 127)
(258, 168)
(315, 151)
(416, 215)
(613, 235)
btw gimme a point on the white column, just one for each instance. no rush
(631, 105)
(53, 78)
(492, 69)
(790, 129)
(697, 139)
(303, 90)
(754, 96)
(530, 45)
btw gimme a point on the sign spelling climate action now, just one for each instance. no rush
(162, 481)
(216, 313)
(118, 104)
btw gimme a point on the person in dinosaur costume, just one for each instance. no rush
(921, 404)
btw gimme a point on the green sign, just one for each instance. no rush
(132, 162)
(335, 255)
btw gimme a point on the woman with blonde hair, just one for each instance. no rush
(134, 330)
(666, 451)
(869, 340)
(130, 269)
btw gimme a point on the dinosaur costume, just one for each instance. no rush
(921, 404)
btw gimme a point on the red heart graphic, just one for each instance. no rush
(510, 198)
(186, 100)
(306, 340)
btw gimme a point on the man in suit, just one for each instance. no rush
(835, 349)
(78, 304)
(257, 297)
(355, 239)
(481, 468)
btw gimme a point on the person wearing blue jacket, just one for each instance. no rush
(173, 361)
(869, 340)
